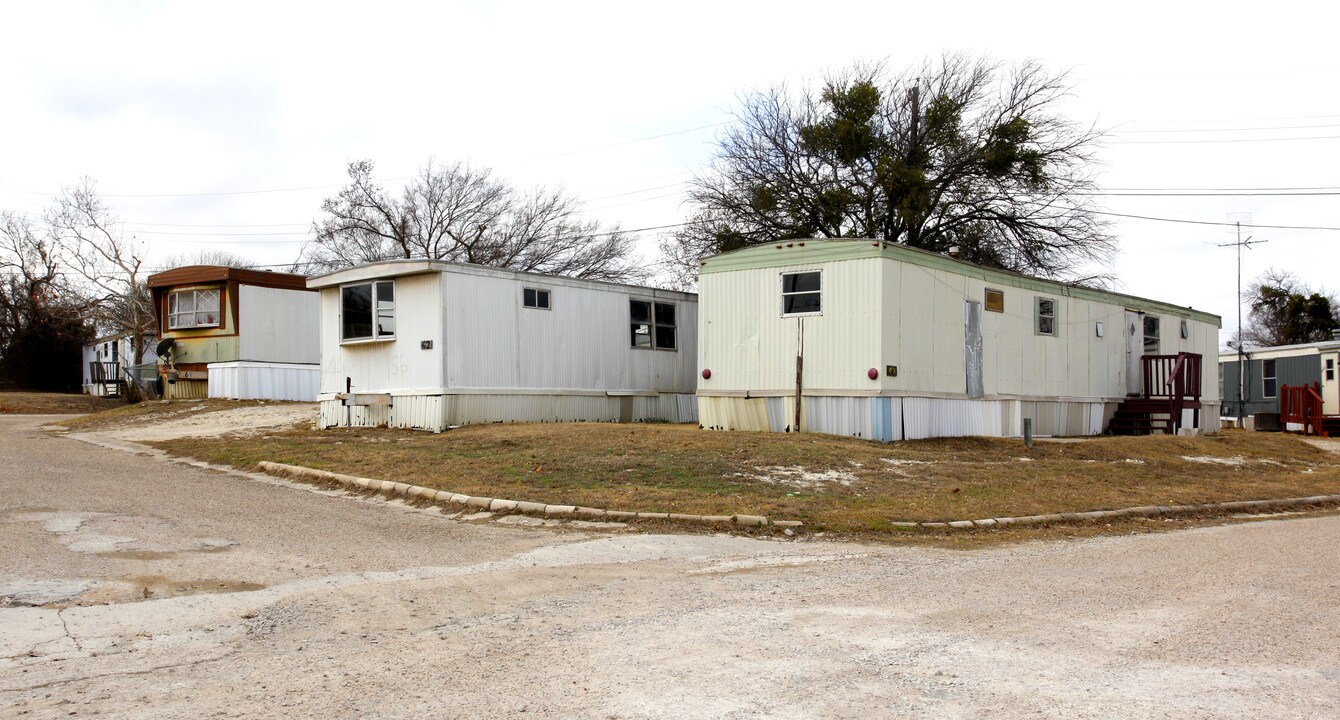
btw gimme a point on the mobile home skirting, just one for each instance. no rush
(915, 418)
(437, 412)
(249, 380)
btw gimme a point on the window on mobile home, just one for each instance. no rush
(367, 311)
(801, 293)
(193, 308)
(1268, 385)
(1046, 316)
(653, 325)
(1151, 335)
(535, 298)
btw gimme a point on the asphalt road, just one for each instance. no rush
(139, 588)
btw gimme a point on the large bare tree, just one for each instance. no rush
(464, 214)
(957, 152)
(107, 266)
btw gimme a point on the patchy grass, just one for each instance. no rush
(40, 403)
(831, 483)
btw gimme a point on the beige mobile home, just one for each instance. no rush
(240, 334)
(882, 341)
(431, 344)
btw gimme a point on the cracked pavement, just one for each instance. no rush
(136, 588)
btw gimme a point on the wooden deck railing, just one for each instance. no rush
(1176, 379)
(1301, 404)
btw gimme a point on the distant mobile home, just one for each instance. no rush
(432, 344)
(107, 360)
(883, 341)
(239, 334)
(1309, 368)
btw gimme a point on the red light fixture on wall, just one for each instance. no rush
(707, 374)
(873, 374)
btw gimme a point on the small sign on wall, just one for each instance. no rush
(426, 345)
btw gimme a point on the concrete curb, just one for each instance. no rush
(519, 506)
(1142, 511)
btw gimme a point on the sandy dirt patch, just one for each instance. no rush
(245, 421)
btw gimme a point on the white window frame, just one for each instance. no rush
(1145, 336)
(377, 334)
(652, 326)
(174, 314)
(1038, 316)
(548, 298)
(781, 284)
(1273, 378)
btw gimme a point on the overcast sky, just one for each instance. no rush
(222, 125)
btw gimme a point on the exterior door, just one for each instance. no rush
(972, 347)
(1135, 347)
(1330, 388)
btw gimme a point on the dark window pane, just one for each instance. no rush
(1045, 326)
(665, 315)
(386, 292)
(356, 312)
(802, 303)
(665, 338)
(641, 311)
(528, 297)
(800, 282)
(542, 299)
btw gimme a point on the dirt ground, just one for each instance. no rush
(38, 403)
(138, 588)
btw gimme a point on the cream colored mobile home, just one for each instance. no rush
(882, 341)
(431, 344)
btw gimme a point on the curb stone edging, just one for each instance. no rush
(519, 506)
(1142, 511)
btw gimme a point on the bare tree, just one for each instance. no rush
(41, 328)
(204, 257)
(958, 152)
(458, 213)
(108, 267)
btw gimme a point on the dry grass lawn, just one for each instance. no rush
(830, 483)
(152, 411)
(40, 403)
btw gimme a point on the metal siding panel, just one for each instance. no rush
(264, 381)
(399, 364)
(276, 325)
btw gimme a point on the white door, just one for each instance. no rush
(1330, 388)
(1135, 347)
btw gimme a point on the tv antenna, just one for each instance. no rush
(1237, 219)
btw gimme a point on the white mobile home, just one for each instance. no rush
(431, 344)
(107, 359)
(882, 341)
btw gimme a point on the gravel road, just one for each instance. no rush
(138, 588)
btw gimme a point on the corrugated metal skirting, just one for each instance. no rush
(904, 418)
(243, 380)
(438, 412)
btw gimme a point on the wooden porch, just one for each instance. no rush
(1172, 384)
(107, 375)
(1302, 405)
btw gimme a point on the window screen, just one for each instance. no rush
(535, 298)
(653, 325)
(367, 310)
(801, 293)
(995, 300)
(1046, 316)
(1151, 335)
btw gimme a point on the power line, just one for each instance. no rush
(1233, 140)
(1242, 129)
(1208, 194)
(1217, 224)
